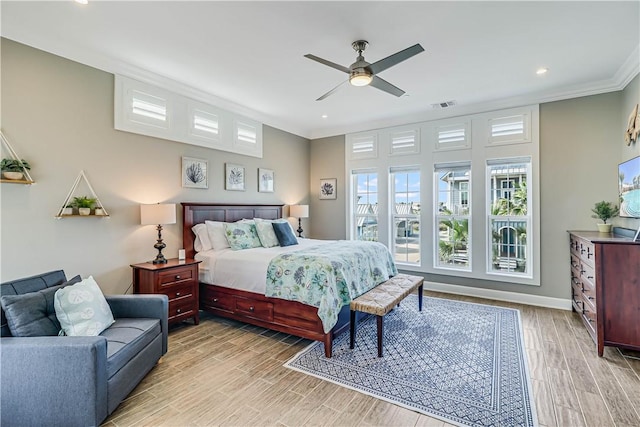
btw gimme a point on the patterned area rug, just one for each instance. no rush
(460, 362)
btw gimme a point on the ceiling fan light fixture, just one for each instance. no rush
(360, 78)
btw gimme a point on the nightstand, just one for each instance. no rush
(178, 279)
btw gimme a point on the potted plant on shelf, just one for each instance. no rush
(604, 210)
(14, 168)
(84, 204)
(68, 210)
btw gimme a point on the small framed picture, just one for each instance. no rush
(328, 188)
(234, 177)
(265, 180)
(195, 173)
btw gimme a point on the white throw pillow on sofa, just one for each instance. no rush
(82, 309)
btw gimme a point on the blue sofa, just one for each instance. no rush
(78, 381)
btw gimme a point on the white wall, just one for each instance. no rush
(58, 115)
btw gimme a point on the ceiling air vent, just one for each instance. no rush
(445, 104)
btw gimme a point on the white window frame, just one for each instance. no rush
(406, 217)
(506, 267)
(355, 216)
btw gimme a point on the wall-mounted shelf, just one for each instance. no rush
(67, 200)
(12, 154)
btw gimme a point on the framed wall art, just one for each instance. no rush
(195, 173)
(265, 180)
(234, 177)
(328, 188)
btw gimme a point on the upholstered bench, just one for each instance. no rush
(381, 300)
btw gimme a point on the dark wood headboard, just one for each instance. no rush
(196, 213)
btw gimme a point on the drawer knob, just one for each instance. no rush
(178, 276)
(179, 311)
(590, 277)
(178, 294)
(251, 308)
(215, 300)
(590, 320)
(590, 298)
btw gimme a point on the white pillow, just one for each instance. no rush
(217, 236)
(82, 310)
(266, 234)
(202, 241)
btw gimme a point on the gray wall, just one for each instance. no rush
(328, 217)
(580, 143)
(58, 115)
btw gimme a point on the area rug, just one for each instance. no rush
(459, 362)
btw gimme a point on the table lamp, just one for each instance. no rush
(158, 214)
(299, 211)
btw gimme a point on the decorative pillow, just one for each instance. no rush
(284, 233)
(82, 310)
(242, 236)
(267, 236)
(217, 235)
(202, 241)
(32, 314)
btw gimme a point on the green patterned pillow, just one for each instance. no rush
(266, 234)
(82, 310)
(242, 236)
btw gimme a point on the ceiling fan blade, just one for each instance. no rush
(385, 86)
(331, 91)
(328, 63)
(396, 58)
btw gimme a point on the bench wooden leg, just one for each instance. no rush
(380, 334)
(420, 296)
(352, 329)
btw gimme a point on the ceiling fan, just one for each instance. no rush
(361, 73)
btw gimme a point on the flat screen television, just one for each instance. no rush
(629, 179)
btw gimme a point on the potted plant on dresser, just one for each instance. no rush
(604, 211)
(14, 168)
(84, 204)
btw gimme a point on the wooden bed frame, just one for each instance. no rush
(290, 317)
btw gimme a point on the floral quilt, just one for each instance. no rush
(329, 276)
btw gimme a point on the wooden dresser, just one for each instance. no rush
(178, 279)
(605, 287)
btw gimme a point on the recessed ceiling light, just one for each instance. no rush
(542, 71)
(324, 116)
(82, 1)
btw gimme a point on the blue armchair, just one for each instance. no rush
(78, 381)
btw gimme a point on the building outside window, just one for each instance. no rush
(452, 216)
(365, 206)
(406, 215)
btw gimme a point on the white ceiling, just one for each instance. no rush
(248, 56)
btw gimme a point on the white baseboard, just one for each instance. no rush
(540, 301)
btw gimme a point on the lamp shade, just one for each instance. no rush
(299, 211)
(158, 214)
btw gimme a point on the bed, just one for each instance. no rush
(246, 304)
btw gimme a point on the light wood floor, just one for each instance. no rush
(227, 373)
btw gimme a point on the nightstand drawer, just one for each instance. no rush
(176, 275)
(182, 308)
(179, 291)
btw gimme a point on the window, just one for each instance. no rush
(512, 129)
(404, 142)
(452, 213)
(365, 206)
(509, 216)
(362, 146)
(154, 111)
(452, 137)
(406, 215)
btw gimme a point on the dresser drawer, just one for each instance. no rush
(588, 273)
(589, 317)
(589, 294)
(587, 252)
(258, 309)
(176, 276)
